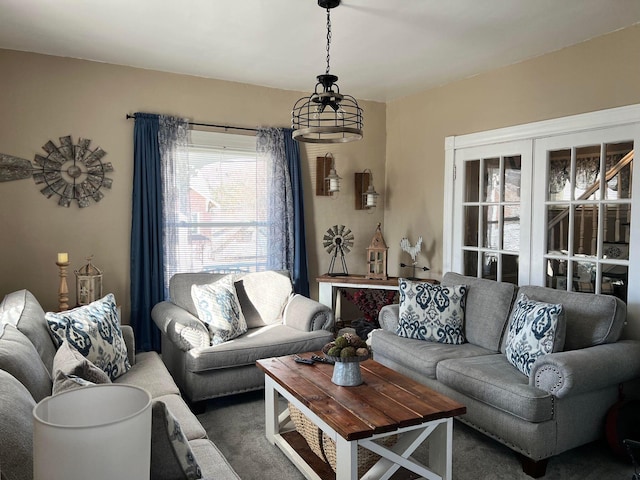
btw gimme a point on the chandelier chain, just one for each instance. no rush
(328, 37)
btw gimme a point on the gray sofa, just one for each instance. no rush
(26, 361)
(279, 323)
(564, 402)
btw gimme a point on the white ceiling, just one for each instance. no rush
(380, 49)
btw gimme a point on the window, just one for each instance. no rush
(218, 214)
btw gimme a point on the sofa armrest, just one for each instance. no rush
(388, 317)
(307, 315)
(186, 331)
(577, 371)
(130, 342)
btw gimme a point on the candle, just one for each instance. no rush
(63, 258)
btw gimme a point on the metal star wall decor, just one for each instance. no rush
(70, 171)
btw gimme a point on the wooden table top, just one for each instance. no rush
(386, 401)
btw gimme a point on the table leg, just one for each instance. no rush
(346, 459)
(441, 448)
(271, 417)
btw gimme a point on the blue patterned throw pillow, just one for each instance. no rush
(432, 312)
(218, 307)
(94, 331)
(535, 329)
(171, 454)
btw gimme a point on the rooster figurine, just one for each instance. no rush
(413, 251)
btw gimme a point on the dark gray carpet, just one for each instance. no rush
(236, 425)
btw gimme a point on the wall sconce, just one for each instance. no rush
(366, 195)
(327, 180)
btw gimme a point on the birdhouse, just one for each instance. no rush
(88, 283)
(377, 257)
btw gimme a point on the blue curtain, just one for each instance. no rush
(147, 279)
(300, 267)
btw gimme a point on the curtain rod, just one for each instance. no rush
(226, 127)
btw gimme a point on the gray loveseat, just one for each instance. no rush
(279, 323)
(26, 361)
(564, 402)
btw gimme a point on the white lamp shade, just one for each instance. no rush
(101, 432)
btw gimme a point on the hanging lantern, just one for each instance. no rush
(377, 257)
(88, 283)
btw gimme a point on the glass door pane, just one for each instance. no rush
(492, 210)
(587, 212)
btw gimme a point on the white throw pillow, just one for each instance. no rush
(431, 312)
(93, 330)
(218, 307)
(535, 329)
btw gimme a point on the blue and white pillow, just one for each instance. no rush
(171, 454)
(535, 329)
(218, 307)
(432, 312)
(93, 330)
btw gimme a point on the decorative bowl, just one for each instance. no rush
(360, 358)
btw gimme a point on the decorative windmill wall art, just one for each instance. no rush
(338, 241)
(69, 171)
(413, 251)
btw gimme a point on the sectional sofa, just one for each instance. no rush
(562, 403)
(27, 354)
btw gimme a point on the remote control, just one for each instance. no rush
(306, 361)
(318, 358)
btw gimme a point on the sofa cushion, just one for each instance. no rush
(72, 370)
(491, 379)
(94, 330)
(418, 355)
(488, 304)
(263, 296)
(22, 310)
(150, 373)
(16, 429)
(590, 319)
(218, 307)
(257, 343)
(171, 455)
(20, 358)
(212, 463)
(431, 312)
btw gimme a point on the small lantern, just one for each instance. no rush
(377, 257)
(88, 283)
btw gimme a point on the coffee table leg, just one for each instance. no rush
(346, 459)
(271, 421)
(441, 448)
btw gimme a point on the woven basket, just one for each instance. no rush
(310, 432)
(325, 448)
(366, 458)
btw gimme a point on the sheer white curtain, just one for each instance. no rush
(173, 139)
(280, 242)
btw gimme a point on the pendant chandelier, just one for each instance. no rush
(327, 116)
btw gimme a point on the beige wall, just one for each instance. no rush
(598, 74)
(44, 98)
(47, 97)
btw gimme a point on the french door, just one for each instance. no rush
(582, 208)
(550, 203)
(493, 211)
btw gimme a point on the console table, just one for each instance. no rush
(328, 285)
